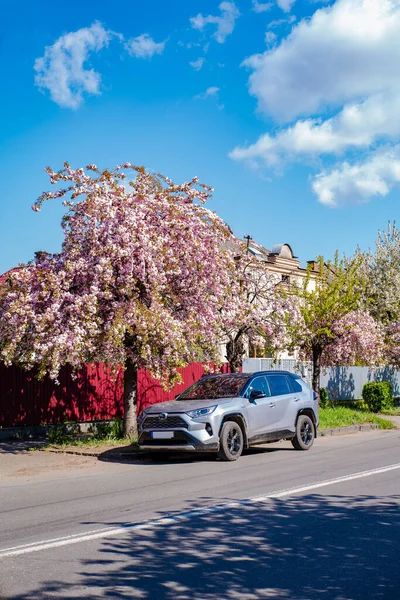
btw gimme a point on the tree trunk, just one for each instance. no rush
(130, 399)
(316, 354)
(234, 353)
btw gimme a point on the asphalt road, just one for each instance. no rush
(276, 524)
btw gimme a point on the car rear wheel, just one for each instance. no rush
(230, 441)
(305, 433)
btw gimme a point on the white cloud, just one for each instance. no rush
(61, 70)
(144, 46)
(357, 125)
(197, 64)
(211, 91)
(345, 51)
(225, 23)
(270, 37)
(260, 7)
(344, 59)
(357, 183)
(279, 22)
(285, 5)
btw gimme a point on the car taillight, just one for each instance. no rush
(315, 396)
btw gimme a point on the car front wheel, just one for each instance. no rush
(305, 433)
(231, 441)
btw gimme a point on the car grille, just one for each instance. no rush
(168, 423)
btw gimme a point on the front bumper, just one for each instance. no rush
(186, 434)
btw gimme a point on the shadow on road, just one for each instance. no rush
(126, 454)
(309, 547)
(21, 446)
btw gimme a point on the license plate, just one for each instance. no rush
(162, 435)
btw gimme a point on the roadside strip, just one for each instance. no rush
(107, 532)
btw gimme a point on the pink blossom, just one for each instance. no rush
(143, 276)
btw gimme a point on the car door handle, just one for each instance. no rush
(272, 404)
(297, 399)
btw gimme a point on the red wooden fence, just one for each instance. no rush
(93, 395)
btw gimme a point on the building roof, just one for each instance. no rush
(284, 250)
(258, 251)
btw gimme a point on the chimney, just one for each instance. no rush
(314, 264)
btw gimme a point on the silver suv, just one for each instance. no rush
(227, 413)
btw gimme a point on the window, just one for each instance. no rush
(260, 384)
(295, 386)
(285, 279)
(215, 386)
(278, 384)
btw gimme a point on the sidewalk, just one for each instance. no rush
(394, 418)
(18, 464)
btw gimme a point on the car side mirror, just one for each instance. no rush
(255, 395)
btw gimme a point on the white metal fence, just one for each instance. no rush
(346, 383)
(341, 383)
(304, 369)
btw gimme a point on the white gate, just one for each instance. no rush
(304, 369)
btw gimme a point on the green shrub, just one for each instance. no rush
(117, 429)
(323, 398)
(378, 396)
(107, 431)
(57, 435)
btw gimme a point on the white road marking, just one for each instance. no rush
(107, 532)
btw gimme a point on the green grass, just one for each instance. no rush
(100, 434)
(90, 442)
(340, 416)
(62, 441)
(395, 412)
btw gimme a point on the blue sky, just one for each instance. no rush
(288, 108)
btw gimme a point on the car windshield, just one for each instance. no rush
(208, 388)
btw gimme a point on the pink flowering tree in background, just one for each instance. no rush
(358, 339)
(380, 271)
(258, 317)
(329, 326)
(392, 347)
(140, 280)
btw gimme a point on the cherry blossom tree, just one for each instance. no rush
(329, 327)
(358, 339)
(380, 271)
(392, 347)
(139, 282)
(258, 320)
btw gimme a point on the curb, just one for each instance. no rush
(348, 429)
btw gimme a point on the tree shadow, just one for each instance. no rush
(341, 385)
(21, 446)
(299, 548)
(388, 373)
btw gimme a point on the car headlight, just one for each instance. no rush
(201, 412)
(142, 415)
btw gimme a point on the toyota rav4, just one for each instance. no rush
(227, 413)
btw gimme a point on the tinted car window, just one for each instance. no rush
(278, 384)
(218, 386)
(294, 385)
(260, 384)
